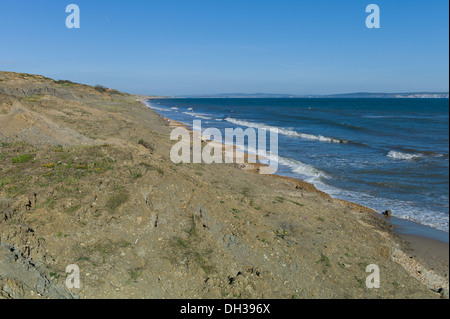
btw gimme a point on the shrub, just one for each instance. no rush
(101, 88)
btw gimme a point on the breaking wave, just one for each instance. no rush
(286, 132)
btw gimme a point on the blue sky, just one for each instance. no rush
(181, 47)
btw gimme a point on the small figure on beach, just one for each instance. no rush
(387, 213)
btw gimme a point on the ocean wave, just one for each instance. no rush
(412, 155)
(313, 174)
(308, 172)
(198, 115)
(403, 156)
(286, 132)
(174, 108)
(153, 107)
(402, 209)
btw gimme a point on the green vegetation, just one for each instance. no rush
(124, 244)
(101, 88)
(134, 273)
(152, 167)
(298, 204)
(360, 282)
(245, 191)
(65, 83)
(146, 145)
(282, 234)
(324, 260)
(116, 200)
(187, 251)
(135, 172)
(22, 158)
(279, 199)
(235, 212)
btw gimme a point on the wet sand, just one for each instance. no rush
(433, 254)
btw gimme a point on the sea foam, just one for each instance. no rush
(286, 132)
(404, 156)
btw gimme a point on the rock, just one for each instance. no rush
(387, 213)
(444, 293)
(21, 274)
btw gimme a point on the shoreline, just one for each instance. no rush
(400, 226)
(426, 248)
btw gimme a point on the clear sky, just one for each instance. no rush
(175, 47)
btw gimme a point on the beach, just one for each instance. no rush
(86, 178)
(428, 246)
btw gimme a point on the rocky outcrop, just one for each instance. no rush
(21, 278)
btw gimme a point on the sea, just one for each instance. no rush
(386, 154)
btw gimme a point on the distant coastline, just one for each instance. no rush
(411, 95)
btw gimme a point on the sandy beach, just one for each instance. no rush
(86, 179)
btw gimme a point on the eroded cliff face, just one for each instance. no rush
(86, 179)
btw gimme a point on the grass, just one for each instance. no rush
(22, 158)
(116, 200)
(54, 275)
(298, 204)
(235, 212)
(279, 199)
(14, 184)
(360, 282)
(146, 145)
(245, 191)
(186, 251)
(282, 234)
(5, 145)
(135, 273)
(324, 260)
(124, 244)
(4, 181)
(135, 172)
(152, 167)
(33, 98)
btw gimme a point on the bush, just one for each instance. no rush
(65, 82)
(101, 88)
